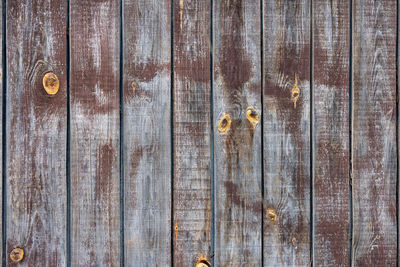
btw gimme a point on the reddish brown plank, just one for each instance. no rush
(192, 131)
(147, 133)
(331, 185)
(36, 132)
(95, 131)
(374, 152)
(237, 88)
(286, 132)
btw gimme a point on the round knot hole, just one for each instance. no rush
(224, 123)
(17, 254)
(253, 116)
(51, 84)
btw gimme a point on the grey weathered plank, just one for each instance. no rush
(237, 87)
(286, 132)
(331, 153)
(374, 152)
(95, 131)
(192, 130)
(147, 133)
(36, 132)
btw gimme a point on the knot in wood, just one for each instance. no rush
(252, 116)
(17, 254)
(51, 83)
(272, 215)
(203, 263)
(224, 124)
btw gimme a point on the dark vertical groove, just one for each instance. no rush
(350, 131)
(397, 132)
(311, 136)
(4, 139)
(172, 130)
(68, 148)
(262, 127)
(212, 135)
(121, 137)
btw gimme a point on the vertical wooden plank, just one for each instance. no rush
(331, 185)
(36, 132)
(147, 133)
(374, 133)
(94, 88)
(286, 132)
(192, 130)
(237, 111)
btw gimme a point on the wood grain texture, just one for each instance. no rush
(286, 133)
(237, 86)
(147, 132)
(192, 131)
(36, 132)
(331, 153)
(95, 131)
(374, 133)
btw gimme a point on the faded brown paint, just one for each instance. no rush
(331, 185)
(147, 133)
(192, 131)
(286, 115)
(94, 151)
(237, 86)
(36, 132)
(374, 164)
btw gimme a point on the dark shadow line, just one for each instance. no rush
(262, 127)
(172, 129)
(68, 148)
(311, 137)
(4, 139)
(212, 136)
(350, 131)
(121, 137)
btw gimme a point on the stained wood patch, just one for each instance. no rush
(36, 132)
(147, 132)
(237, 86)
(374, 133)
(192, 132)
(95, 133)
(287, 133)
(331, 153)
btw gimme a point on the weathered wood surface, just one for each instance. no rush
(36, 132)
(374, 155)
(286, 133)
(95, 133)
(146, 132)
(237, 87)
(230, 114)
(192, 132)
(331, 152)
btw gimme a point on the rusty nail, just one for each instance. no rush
(17, 254)
(224, 123)
(51, 83)
(252, 116)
